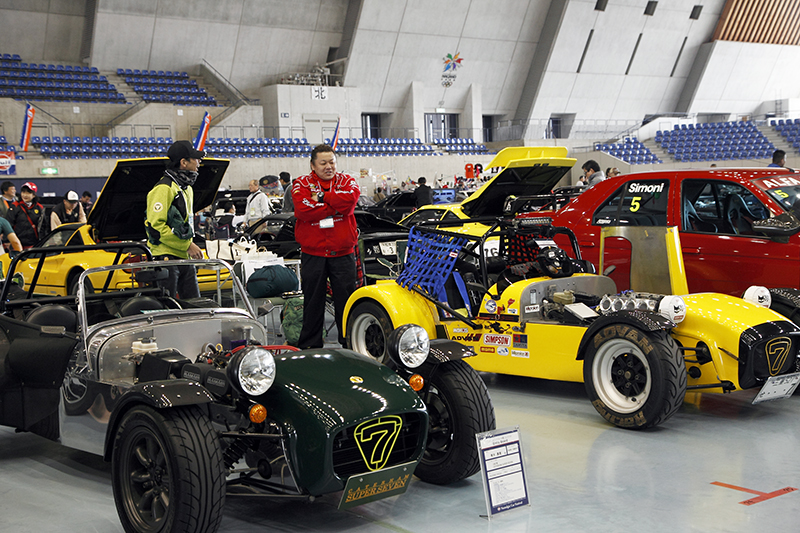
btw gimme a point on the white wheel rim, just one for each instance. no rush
(606, 383)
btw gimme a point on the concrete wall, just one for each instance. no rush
(43, 31)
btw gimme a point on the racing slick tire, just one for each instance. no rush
(368, 327)
(167, 471)
(634, 379)
(459, 408)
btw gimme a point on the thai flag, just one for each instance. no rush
(202, 135)
(27, 125)
(335, 139)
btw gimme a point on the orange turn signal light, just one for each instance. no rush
(417, 382)
(258, 413)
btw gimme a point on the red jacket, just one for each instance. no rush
(341, 196)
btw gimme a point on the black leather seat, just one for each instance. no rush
(140, 304)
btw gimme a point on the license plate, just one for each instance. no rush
(778, 388)
(388, 248)
(372, 486)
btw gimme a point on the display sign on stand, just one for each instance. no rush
(502, 470)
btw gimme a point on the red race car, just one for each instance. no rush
(738, 226)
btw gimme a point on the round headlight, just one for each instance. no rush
(410, 343)
(673, 307)
(758, 295)
(252, 370)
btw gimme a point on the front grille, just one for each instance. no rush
(766, 350)
(347, 459)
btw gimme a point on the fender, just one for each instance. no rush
(643, 320)
(402, 306)
(157, 394)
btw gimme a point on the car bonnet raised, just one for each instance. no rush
(119, 212)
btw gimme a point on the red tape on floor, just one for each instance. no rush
(762, 496)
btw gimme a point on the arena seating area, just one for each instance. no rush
(715, 141)
(166, 86)
(383, 147)
(629, 150)
(54, 83)
(101, 147)
(790, 129)
(460, 146)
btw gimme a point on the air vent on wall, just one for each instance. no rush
(600, 5)
(651, 8)
(696, 10)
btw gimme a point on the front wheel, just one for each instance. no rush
(368, 327)
(167, 471)
(634, 379)
(459, 407)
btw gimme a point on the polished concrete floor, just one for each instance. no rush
(691, 474)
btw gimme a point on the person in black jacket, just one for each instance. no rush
(423, 194)
(26, 216)
(68, 211)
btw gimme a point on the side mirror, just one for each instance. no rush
(778, 228)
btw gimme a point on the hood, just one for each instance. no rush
(527, 170)
(119, 212)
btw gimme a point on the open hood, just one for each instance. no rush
(527, 170)
(119, 212)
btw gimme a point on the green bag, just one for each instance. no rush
(292, 319)
(271, 280)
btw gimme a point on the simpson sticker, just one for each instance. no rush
(502, 351)
(531, 308)
(521, 341)
(497, 340)
(520, 353)
(487, 349)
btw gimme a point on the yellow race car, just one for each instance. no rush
(536, 311)
(117, 216)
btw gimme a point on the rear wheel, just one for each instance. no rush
(368, 327)
(167, 471)
(72, 285)
(459, 408)
(634, 379)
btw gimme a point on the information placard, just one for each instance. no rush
(503, 470)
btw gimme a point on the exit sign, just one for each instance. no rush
(48, 171)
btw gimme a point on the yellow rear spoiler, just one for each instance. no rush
(515, 156)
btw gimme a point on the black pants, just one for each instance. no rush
(315, 272)
(182, 280)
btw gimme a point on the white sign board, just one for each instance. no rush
(502, 470)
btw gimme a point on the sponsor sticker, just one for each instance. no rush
(513, 311)
(520, 353)
(460, 330)
(497, 340)
(520, 341)
(469, 337)
(532, 308)
(491, 306)
(487, 349)
(502, 351)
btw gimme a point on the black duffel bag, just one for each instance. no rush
(271, 280)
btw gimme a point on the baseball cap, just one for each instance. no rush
(30, 185)
(183, 150)
(72, 196)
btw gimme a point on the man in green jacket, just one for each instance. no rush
(170, 218)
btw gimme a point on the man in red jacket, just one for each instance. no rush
(326, 230)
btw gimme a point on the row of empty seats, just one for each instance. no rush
(120, 141)
(58, 95)
(789, 129)
(126, 72)
(252, 141)
(158, 87)
(461, 146)
(715, 141)
(631, 151)
(32, 67)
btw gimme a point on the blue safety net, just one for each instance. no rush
(430, 259)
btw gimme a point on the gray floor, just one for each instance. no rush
(583, 475)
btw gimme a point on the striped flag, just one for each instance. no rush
(202, 135)
(27, 125)
(335, 139)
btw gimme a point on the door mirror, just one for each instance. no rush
(778, 228)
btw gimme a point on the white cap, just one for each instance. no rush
(72, 196)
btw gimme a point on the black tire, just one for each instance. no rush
(459, 407)
(368, 327)
(72, 285)
(167, 471)
(634, 379)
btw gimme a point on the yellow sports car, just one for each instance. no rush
(117, 216)
(536, 311)
(526, 171)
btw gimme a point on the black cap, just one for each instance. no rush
(183, 150)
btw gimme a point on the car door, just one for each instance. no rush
(721, 252)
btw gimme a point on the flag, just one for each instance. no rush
(27, 125)
(202, 135)
(335, 139)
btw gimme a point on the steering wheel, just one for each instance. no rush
(555, 262)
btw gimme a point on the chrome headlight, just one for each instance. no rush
(410, 344)
(758, 295)
(673, 307)
(252, 370)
